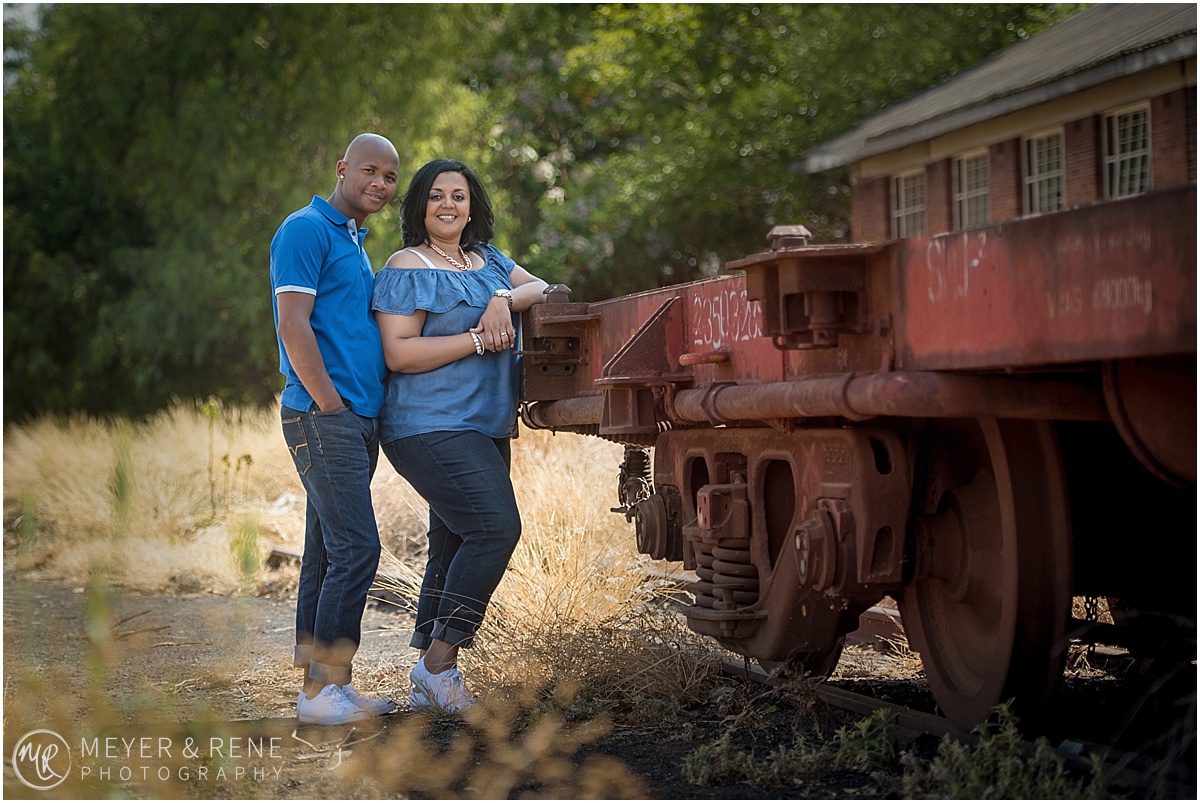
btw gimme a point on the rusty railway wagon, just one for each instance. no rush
(985, 411)
(981, 425)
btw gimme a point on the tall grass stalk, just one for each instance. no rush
(123, 482)
(27, 524)
(245, 549)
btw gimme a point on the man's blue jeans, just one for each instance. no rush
(335, 455)
(474, 526)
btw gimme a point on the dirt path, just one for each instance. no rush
(188, 643)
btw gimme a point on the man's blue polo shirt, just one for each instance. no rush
(319, 251)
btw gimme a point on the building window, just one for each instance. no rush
(908, 204)
(971, 189)
(1044, 173)
(1127, 152)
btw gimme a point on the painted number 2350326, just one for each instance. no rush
(723, 317)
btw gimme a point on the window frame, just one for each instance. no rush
(1112, 160)
(1030, 179)
(964, 195)
(901, 214)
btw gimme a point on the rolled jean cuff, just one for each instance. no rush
(421, 641)
(302, 655)
(326, 674)
(456, 638)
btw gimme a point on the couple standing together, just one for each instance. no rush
(417, 361)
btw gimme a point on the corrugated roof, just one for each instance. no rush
(1097, 44)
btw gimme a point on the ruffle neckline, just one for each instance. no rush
(403, 291)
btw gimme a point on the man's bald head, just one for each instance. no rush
(365, 144)
(367, 177)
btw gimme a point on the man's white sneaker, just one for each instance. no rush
(444, 690)
(375, 706)
(330, 707)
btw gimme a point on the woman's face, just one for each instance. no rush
(448, 207)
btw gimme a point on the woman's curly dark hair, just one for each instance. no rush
(480, 228)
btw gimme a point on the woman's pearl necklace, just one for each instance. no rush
(464, 265)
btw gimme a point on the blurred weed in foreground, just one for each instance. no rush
(120, 739)
(498, 754)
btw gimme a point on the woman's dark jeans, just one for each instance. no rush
(335, 455)
(474, 527)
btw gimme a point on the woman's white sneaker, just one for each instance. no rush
(417, 701)
(330, 707)
(444, 690)
(375, 706)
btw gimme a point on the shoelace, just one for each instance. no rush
(451, 686)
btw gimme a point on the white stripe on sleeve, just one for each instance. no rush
(293, 288)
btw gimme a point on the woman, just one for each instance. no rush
(446, 306)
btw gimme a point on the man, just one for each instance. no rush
(331, 355)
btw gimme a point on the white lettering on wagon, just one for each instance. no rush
(724, 317)
(950, 269)
(1065, 301)
(1126, 292)
(1128, 241)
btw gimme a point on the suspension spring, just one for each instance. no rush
(728, 578)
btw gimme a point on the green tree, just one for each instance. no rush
(150, 153)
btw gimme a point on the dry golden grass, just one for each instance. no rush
(174, 492)
(177, 490)
(179, 501)
(194, 498)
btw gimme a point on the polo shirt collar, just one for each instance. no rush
(337, 218)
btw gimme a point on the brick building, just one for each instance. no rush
(1101, 106)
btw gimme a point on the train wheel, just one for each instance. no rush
(990, 612)
(814, 665)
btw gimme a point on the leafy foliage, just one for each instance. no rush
(866, 748)
(667, 141)
(999, 766)
(152, 150)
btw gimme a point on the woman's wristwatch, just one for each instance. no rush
(505, 294)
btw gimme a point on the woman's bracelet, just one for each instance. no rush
(478, 343)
